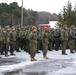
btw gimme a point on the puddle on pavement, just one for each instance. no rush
(27, 73)
(9, 61)
(35, 73)
(13, 72)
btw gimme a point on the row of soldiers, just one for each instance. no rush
(32, 39)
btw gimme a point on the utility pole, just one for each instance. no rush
(22, 14)
(49, 19)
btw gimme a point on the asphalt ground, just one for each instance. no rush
(45, 67)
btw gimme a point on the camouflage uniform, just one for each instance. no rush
(7, 40)
(1, 40)
(38, 39)
(72, 39)
(75, 40)
(64, 39)
(33, 43)
(21, 38)
(50, 40)
(24, 36)
(12, 40)
(45, 42)
(17, 38)
(56, 38)
(28, 30)
(3, 49)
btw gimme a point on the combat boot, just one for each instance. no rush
(6, 55)
(64, 54)
(12, 54)
(72, 52)
(45, 57)
(33, 59)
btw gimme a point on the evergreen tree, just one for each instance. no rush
(67, 16)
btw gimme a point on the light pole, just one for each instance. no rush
(22, 14)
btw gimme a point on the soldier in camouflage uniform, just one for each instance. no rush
(51, 39)
(12, 40)
(72, 39)
(56, 39)
(3, 47)
(24, 36)
(21, 38)
(18, 38)
(45, 42)
(28, 30)
(1, 41)
(75, 40)
(7, 40)
(64, 39)
(33, 43)
(38, 39)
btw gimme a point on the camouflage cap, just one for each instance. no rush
(23, 28)
(3, 29)
(72, 26)
(18, 26)
(13, 27)
(34, 27)
(7, 27)
(64, 26)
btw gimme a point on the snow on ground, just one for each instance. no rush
(25, 61)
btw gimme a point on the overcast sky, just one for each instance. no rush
(52, 6)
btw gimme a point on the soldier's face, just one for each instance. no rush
(4, 31)
(8, 29)
(39, 28)
(73, 28)
(66, 28)
(46, 29)
(0, 28)
(13, 29)
(35, 30)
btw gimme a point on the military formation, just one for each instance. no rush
(33, 38)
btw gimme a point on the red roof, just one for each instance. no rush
(44, 25)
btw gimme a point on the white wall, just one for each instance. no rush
(52, 24)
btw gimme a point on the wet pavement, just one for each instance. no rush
(30, 73)
(9, 61)
(44, 67)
